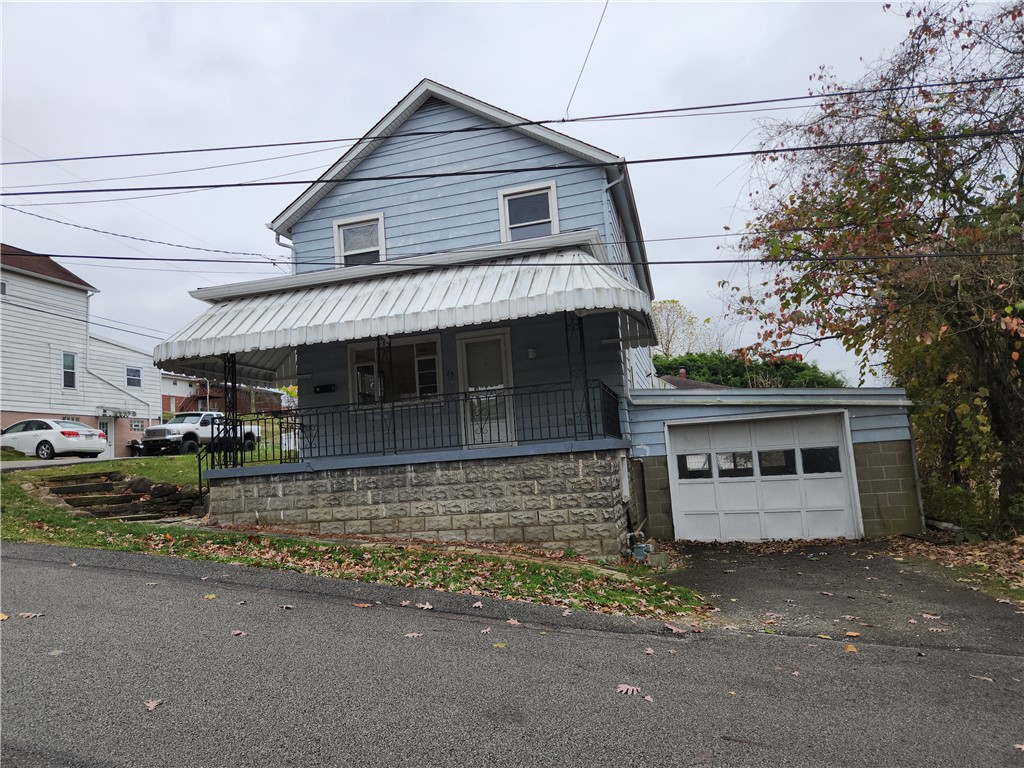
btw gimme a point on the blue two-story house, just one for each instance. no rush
(470, 304)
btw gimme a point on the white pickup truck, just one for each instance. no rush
(185, 432)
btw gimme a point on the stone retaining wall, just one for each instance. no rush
(553, 501)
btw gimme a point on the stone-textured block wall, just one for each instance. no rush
(657, 499)
(887, 485)
(553, 501)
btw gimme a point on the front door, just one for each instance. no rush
(106, 426)
(485, 376)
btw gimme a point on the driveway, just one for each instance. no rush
(837, 588)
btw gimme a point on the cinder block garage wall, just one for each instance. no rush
(553, 501)
(887, 483)
(657, 499)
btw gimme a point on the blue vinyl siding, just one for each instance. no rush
(430, 215)
(874, 421)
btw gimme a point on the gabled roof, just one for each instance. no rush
(614, 166)
(41, 266)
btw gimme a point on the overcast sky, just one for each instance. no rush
(91, 78)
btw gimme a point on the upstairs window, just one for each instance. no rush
(359, 241)
(527, 212)
(133, 376)
(69, 368)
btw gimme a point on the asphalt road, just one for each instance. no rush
(327, 683)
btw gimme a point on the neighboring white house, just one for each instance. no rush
(53, 366)
(176, 389)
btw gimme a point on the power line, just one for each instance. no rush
(140, 239)
(81, 320)
(534, 169)
(526, 123)
(586, 59)
(443, 265)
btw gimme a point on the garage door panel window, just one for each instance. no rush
(777, 463)
(735, 464)
(694, 466)
(820, 461)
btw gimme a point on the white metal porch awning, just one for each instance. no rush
(263, 330)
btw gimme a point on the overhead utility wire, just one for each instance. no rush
(586, 59)
(81, 320)
(761, 260)
(526, 123)
(555, 167)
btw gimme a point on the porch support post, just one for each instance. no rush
(385, 367)
(230, 387)
(577, 358)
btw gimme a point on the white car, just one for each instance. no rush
(47, 438)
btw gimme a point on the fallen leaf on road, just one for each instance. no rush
(498, 645)
(152, 704)
(627, 690)
(930, 616)
(567, 612)
(414, 634)
(286, 607)
(404, 603)
(362, 605)
(912, 621)
(827, 594)
(851, 618)
(485, 631)
(514, 622)
(649, 698)
(980, 677)
(74, 565)
(54, 652)
(203, 578)
(4, 617)
(676, 630)
(1002, 600)
(937, 629)
(29, 615)
(824, 637)
(850, 648)
(649, 651)
(210, 596)
(1019, 746)
(239, 633)
(241, 602)
(853, 634)
(477, 604)
(730, 570)
(794, 673)
(730, 693)
(425, 606)
(671, 651)
(152, 583)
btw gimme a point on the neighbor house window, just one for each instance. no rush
(408, 371)
(527, 212)
(134, 376)
(359, 241)
(3, 287)
(69, 367)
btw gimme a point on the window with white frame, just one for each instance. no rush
(527, 212)
(359, 241)
(133, 376)
(69, 369)
(410, 370)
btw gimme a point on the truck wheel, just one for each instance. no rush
(189, 446)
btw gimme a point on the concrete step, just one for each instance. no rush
(103, 500)
(86, 478)
(79, 488)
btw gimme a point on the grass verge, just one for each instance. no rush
(569, 585)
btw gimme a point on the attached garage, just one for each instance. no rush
(774, 464)
(783, 477)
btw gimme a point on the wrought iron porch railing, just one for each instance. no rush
(517, 415)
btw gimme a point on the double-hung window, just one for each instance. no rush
(69, 369)
(527, 212)
(359, 241)
(133, 376)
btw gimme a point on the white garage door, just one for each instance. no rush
(769, 479)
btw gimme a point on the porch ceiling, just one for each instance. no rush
(264, 330)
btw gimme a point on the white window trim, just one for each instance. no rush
(402, 342)
(339, 224)
(505, 194)
(126, 377)
(64, 370)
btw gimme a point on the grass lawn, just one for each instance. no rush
(558, 582)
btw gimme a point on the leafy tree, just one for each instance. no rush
(734, 370)
(679, 330)
(899, 234)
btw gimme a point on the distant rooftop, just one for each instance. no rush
(39, 264)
